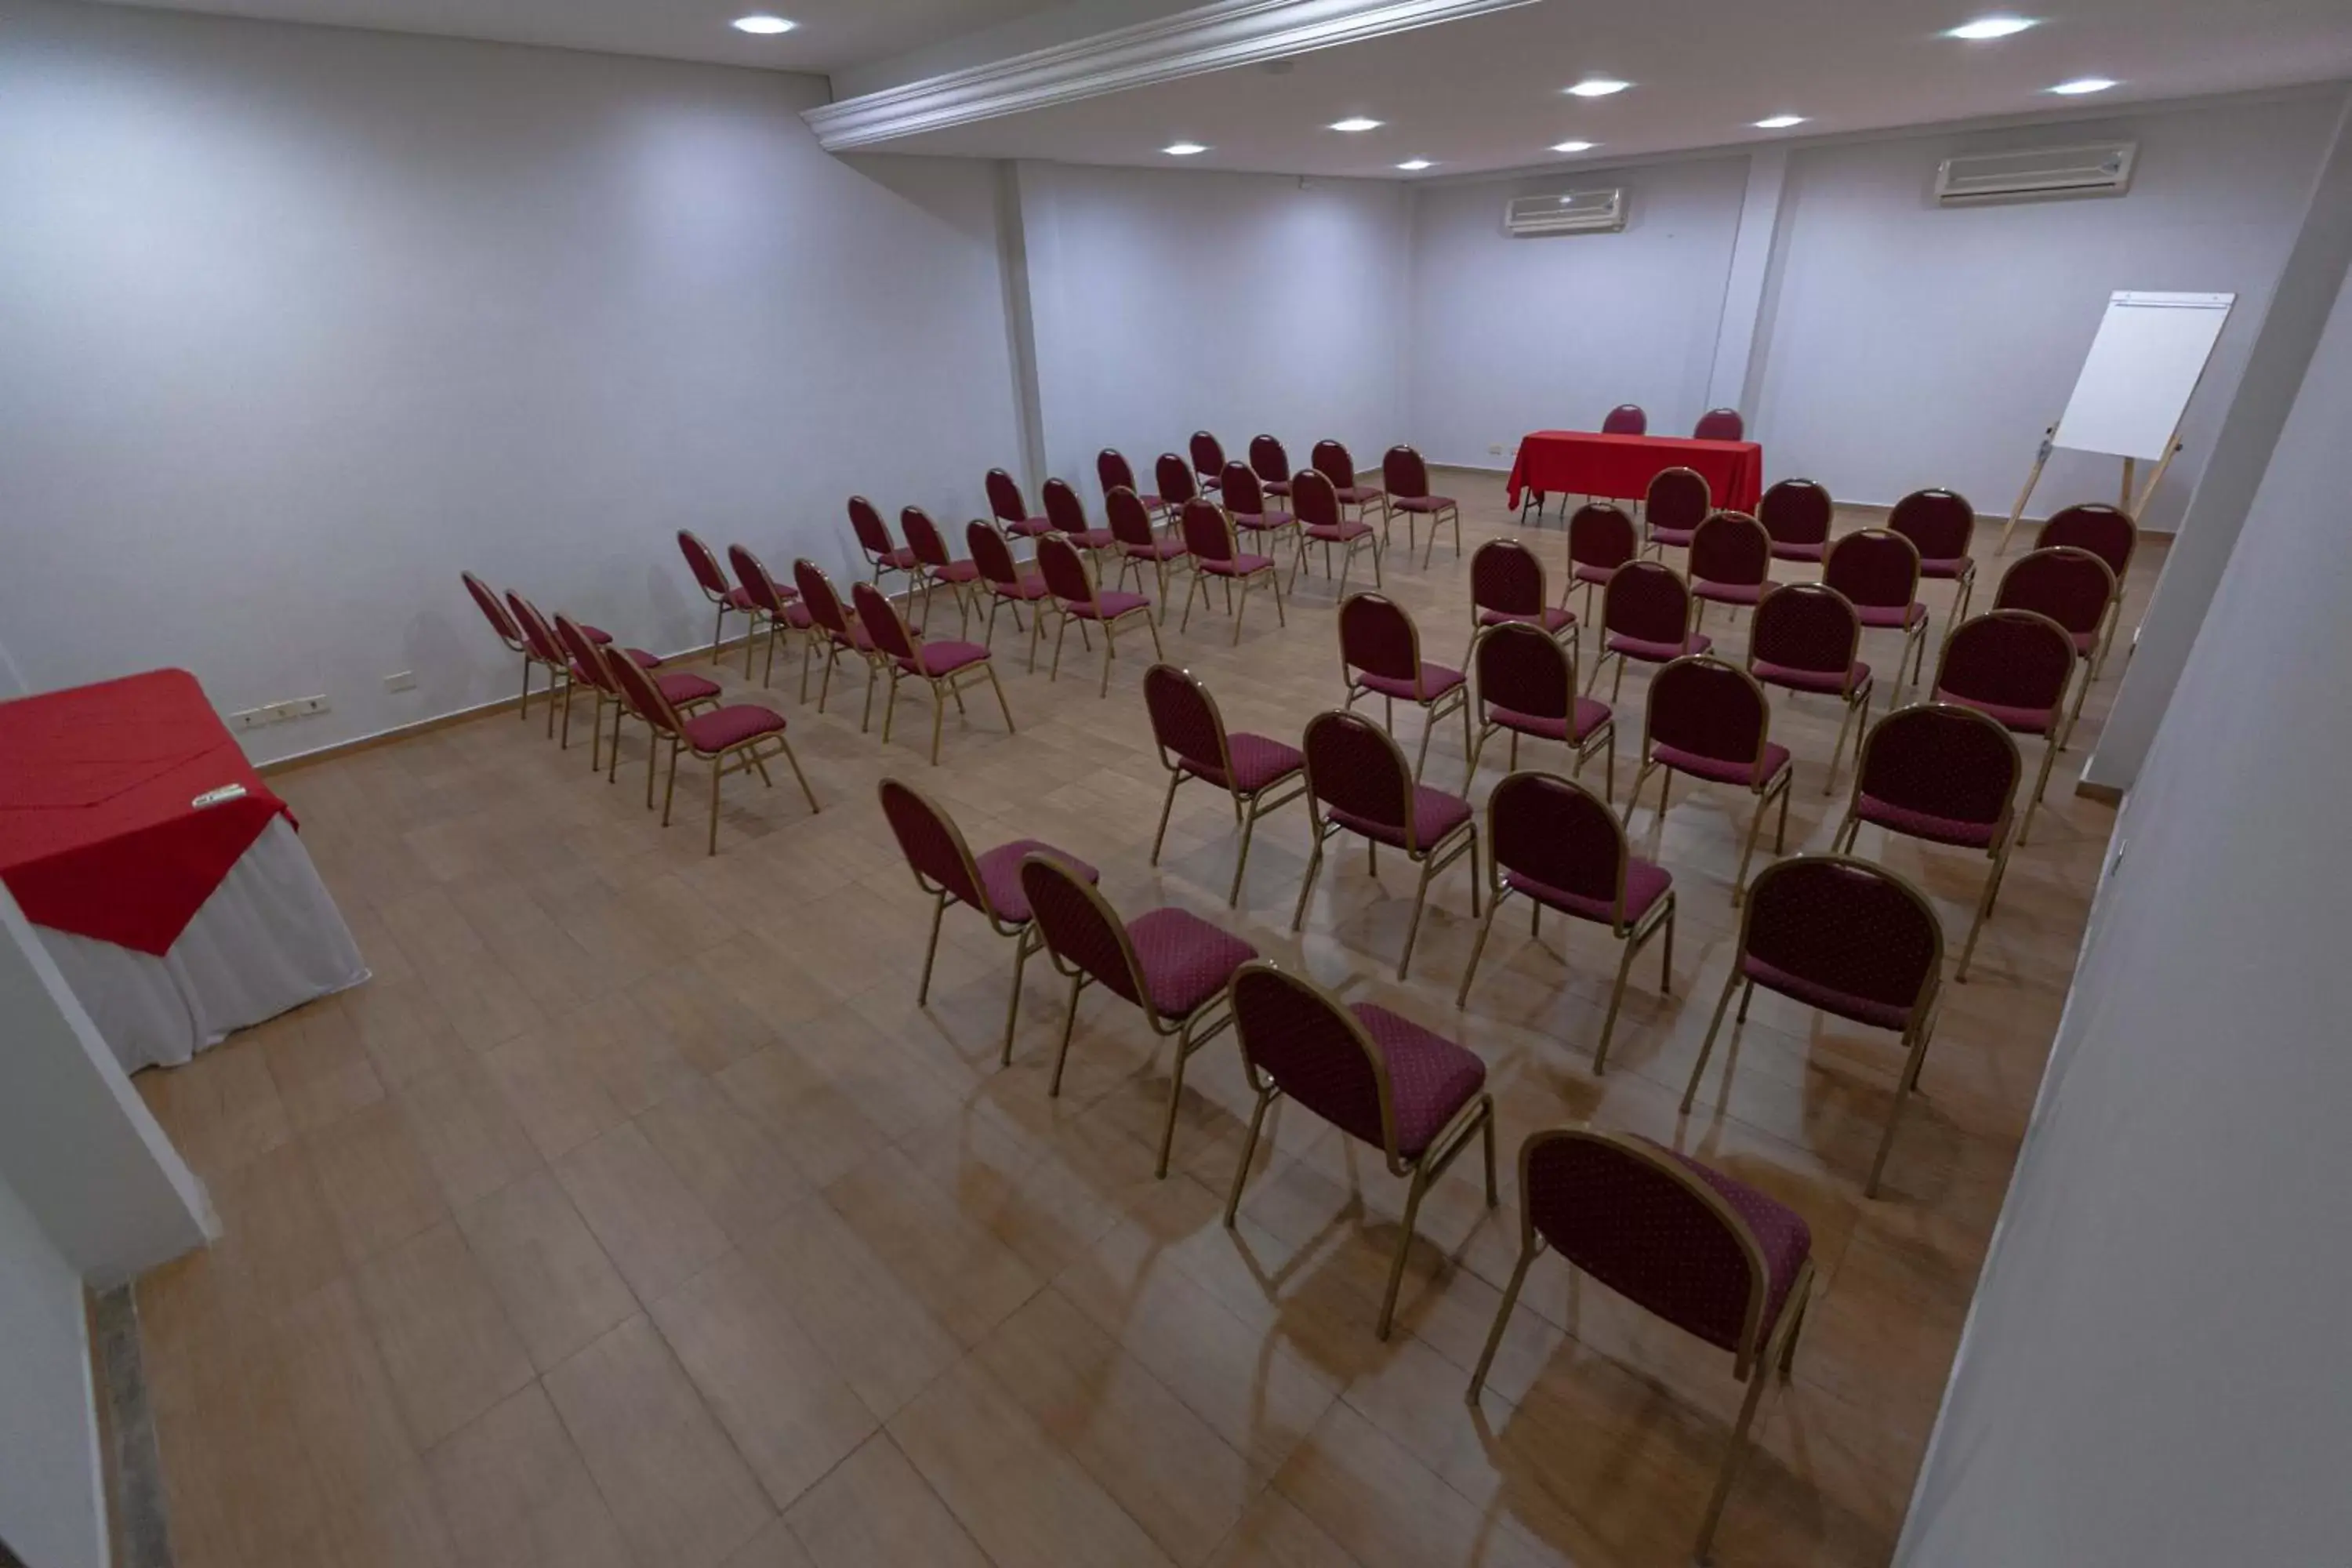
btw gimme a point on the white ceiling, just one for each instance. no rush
(1486, 93)
(831, 34)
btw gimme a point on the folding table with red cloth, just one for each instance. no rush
(1587, 463)
(166, 880)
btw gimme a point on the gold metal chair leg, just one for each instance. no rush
(1166, 806)
(1478, 946)
(931, 950)
(1241, 861)
(1903, 1087)
(1502, 1320)
(1706, 1046)
(1616, 1000)
(1249, 1152)
(1420, 902)
(1411, 1215)
(938, 717)
(1984, 910)
(1307, 888)
(1069, 1027)
(1110, 651)
(1239, 612)
(713, 847)
(1023, 944)
(1730, 1470)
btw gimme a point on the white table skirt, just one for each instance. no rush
(269, 939)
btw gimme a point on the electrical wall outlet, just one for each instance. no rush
(304, 707)
(1495, 451)
(248, 719)
(400, 680)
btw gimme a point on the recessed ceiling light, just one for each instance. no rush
(2083, 84)
(763, 24)
(1780, 122)
(1355, 123)
(1182, 148)
(1990, 28)
(1597, 86)
(1414, 165)
(1574, 146)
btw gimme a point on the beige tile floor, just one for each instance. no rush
(633, 1214)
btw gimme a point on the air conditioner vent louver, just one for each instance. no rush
(2102, 169)
(1571, 212)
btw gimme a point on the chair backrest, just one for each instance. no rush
(585, 659)
(758, 585)
(1705, 705)
(1805, 626)
(1719, 425)
(1129, 519)
(1005, 502)
(640, 692)
(536, 634)
(2071, 586)
(990, 553)
(1796, 512)
(1644, 1221)
(2107, 532)
(1377, 635)
(1354, 764)
(1208, 454)
(1314, 499)
(1730, 547)
(1293, 1032)
(1112, 470)
(1185, 721)
(1334, 462)
(1940, 524)
(1626, 419)
(824, 603)
(704, 565)
(1403, 474)
(1941, 759)
(1244, 495)
(1080, 928)
(882, 622)
(1525, 669)
(1558, 832)
(1600, 534)
(934, 845)
(501, 619)
(1065, 570)
(1267, 459)
(2010, 659)
(1847, 925)
(1208, 531)
(1646, 600)
(872, 534)
(1505, 576)
(1063, 511)
(1678, 498)
(1874, 568)
(1175, 479)
(924, 538)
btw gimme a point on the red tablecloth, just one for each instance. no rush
(1586, 463)
(98, 833)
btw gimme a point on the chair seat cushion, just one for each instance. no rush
(1022, 588)
(682, 688)
(2085, 643)
(1678, 538)
(738, 598)
(938, 658)
(1157, 549)
(1109, 605)
(797, 617)
(1357, 495)
(1646, 884)
(1186, 961)
(1030, 527)
(1000, 875)
(1275, 486)
(1092, 537)
(731, 726)
(1781, 1232)
(642, 659)
(1786, 549)
(1922, 824)
(1597, 575)
(1258, 761)
(1947, 568)
(1431, 1078)
(601, 637)
(1263, 521)
(1239, 566)
(1904, 615)
(1591, 714)
(1425, 503)
(1729, 593)
(1435, 813)
(900, 559)
(1437, 680)
(1796, 679)
(1552, 619)
(1658, 652)
(1152, 503)
(2017, 720)
(1341, 533)
(857, 637)
(956, 572)
(1845, 1004)
(1774, 758)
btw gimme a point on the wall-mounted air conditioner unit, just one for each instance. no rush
(1575, 212)
(2101, 169)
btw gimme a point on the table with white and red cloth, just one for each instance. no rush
(173, 922)
(1590, 463)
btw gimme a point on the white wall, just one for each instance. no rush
(2154, 1369)
(299, 322)
(51, 1507)
(1511, 335)
(1169, 302)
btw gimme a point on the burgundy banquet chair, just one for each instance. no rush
(1335, 463)
(1678, 501)
(736, 738)
(1207, 459)
(1079, 600)
(1321, 522)
(1945, 773)
(1644, 615)
(689, 694)
(1711, 1255)
(726, 595)
(1527, 686)
(547, 651)
(1010, 508)
(1941, 525)
(1549, 840)
(1177, 484)
(1113, 471)
(1506, 584)
(1730, 561)
(1796, 515)
(1194, 744)
(989, 884)
(1405, 478)
(2012, 666)
(1380, 1077)
(503, 623)
(1380, 656)
(2107, 532)
(1007, 584)
(881, 551)
(780, 607)
(947, 666)
(1209, 540)
(1710, 719)
(1174, 966)
(1847, 937)
(1271, 464)
(938, 567)
(842, 635)
(1355, 781)
(1257, 519)
(1130, 526)
(1720, 425)
(1067, 515)
(1878, 570)
(1600, 538)
(2073, 588)
(1625, 419)
(1805, 638)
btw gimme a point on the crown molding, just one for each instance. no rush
(1211, 37)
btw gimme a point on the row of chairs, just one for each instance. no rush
(1715, 425)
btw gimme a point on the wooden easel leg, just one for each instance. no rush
(2124, 498)
(2031, 480)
